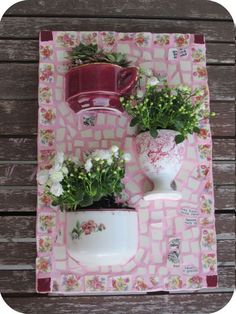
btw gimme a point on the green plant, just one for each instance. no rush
(164, 108)
(73, 185)
(84, 54)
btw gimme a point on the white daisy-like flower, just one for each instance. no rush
(114, 149)
(56, 189)
(103, 154)
(147, 71)
(56, 176)
(88, 165)
(152, 81)
(42, 177)
(64, 170)
(59, 158)
(127, 157)
(109, 161)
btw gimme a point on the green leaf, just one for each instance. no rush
(196, 129)
(179, 138)
(134, 121)
(153, 133)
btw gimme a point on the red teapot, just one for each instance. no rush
(99, 86)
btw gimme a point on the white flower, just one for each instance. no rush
(109, 161)
(88, 165)
(140, 93)
(127, 157)
(56, 176)
(103, 154)
(57, 167)
(56, 189)
(152, 81)
(148, 72)
(64, 170)
(114, 149)
(59, 158)
(42, 176)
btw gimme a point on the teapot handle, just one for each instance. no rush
(127, 79)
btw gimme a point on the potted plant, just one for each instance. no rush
(95, 236)
(97, 79)
(164, 116)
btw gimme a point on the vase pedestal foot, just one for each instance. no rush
(157, 195)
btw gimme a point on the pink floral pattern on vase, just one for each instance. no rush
(45, 95)
(43, 264)
(121, 283)
(46, 72)
(86, 228)
(70, 282)
(45, 244)
(160, 159)
(95, 283)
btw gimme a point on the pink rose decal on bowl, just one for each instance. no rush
(140, 284)
(47, 116)
(121, 283)
(86, 228)
(45, 95)
(66, 39)
(182, 40)
(70, 282)
(43, 264)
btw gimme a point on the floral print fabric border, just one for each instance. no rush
(177, 240)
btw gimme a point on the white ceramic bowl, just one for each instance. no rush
(102, 238)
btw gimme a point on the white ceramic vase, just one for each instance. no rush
(160, 159)
(102, 237)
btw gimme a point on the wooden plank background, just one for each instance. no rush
(19, 31)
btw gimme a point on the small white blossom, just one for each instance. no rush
(56, 189)
(127, 157)
(57, 167)
(114, 148)
(42, 177)
(147, 72)
(88, 165)
(56, 176)
(64, 170)
(59, 158)
(152, 81)
(103, 154)
(109, 161)
(140, 93)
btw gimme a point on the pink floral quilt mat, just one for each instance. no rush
(177, 239)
